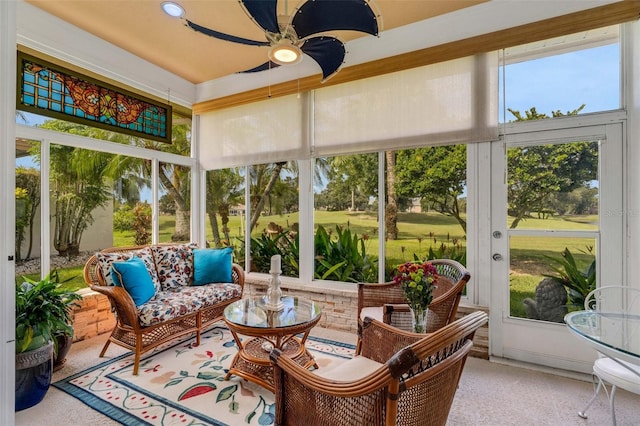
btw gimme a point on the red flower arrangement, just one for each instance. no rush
(418, 281)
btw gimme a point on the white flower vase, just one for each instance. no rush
(419, 319)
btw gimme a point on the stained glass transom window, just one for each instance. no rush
(49, 90)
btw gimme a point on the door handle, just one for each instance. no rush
(497, 256)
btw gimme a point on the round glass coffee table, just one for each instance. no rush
(286, 329)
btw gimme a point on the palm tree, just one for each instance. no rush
(264, 178)
(391, 209)
(224, 190)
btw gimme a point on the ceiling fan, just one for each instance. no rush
(288, 37)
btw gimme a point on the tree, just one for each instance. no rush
(358, 174)
(77, 187)
(537, 173)
(288, 195)
(263, 180)
(131, 174)
(176, 179)
(436, 174)
(166, 204)
(224, 190)
(351, 180)
(338, 196)
(27, 202)
(391, 209)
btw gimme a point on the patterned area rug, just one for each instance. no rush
(180, 384)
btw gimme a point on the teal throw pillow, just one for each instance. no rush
(212, 265)
(135, 278)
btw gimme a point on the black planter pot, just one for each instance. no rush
(64, 344)
(33, 376)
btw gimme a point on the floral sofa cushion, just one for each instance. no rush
(106, 259)
(174, 302)
(174, 265)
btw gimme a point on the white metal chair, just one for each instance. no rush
(617, 372)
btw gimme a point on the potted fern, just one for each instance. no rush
(43, 310)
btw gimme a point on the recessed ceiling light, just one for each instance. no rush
(173, 9)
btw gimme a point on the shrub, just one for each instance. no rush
(283, 243)
(123, 219)
(142, 223)
(578, 283)
(343, 259)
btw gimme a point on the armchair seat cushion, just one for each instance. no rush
(351, 370)
(373, 312)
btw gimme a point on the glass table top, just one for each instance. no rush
(616, 331)
(251, 312)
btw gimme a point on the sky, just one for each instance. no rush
(564, 82)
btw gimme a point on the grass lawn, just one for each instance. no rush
(70, 278)
(417, 232)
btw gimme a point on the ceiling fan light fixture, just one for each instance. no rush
(285, 53)
(173, 9)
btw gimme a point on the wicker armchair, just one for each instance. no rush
(415, 386)
(386, 302)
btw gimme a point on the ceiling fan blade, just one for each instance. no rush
(263, 13)
(327, 51)
(316, 16)
(263, 67)
(223, 36)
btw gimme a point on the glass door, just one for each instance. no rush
(557, 231)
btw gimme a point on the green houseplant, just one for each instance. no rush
(43, 310)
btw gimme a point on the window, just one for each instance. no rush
(553, 220)
(174, 202)
(28, 205)
(274, 216)
(226, 210)
(346, 237)
(577, 73)
(430, 189)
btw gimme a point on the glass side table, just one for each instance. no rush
(268, 330)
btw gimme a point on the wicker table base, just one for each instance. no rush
(252, 360)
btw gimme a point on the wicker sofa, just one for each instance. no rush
(177, 307)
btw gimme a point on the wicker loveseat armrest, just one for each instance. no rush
(121, 302)
(237, 275)
(90, 271)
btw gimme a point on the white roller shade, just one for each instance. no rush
(257, 133)
(449, 102)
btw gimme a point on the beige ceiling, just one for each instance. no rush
(142, 28)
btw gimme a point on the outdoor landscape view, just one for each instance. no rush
(100, 199)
